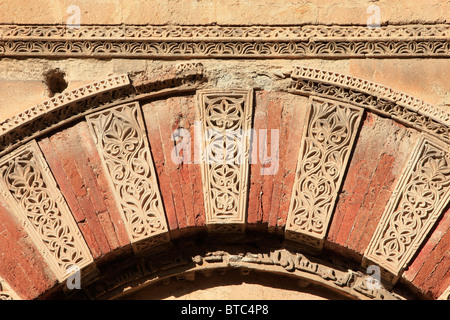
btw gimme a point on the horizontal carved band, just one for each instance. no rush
(327, 141)
(437, 31)
(217, 41)
(121, 139)
(31, 191)
(225, 116)
(420, 197)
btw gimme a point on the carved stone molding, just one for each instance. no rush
(327, 141)
(31, 191)
(379, 99)
(225, 41)
(6, 293)
(62, 107)
(421, 195)
(121, 139)
(75, 104)
(376, 89)
(184, 263)
(226, 119)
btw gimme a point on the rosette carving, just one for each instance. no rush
(327, 141)
(121, 139)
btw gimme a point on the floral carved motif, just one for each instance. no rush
(30, 189)
(6, 293)
(225, 117)
(220, 41)
(418, 200)
(121, 139)
(327, 141)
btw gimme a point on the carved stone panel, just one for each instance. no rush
(327, 141)
(31, 191)
(121, 139)
(420, 197)
(377, 98)
(225, 117)
(6, 293)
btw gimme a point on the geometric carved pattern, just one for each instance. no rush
(225, 118)
(418, 200)
(6, 293)
(121, 139)
(327, 141)
(216, 41)
(30, 189)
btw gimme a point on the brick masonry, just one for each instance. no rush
(382, 147)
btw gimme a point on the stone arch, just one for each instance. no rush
(329, 240)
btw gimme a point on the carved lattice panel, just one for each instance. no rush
(6, 293)
(420, 197)
(327, 141)
(31, 191)
(121, 139)
(225, 117)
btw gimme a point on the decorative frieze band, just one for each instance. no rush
(327, 141)
(6, 293)
(31, 191)
(420, 197)
(220, 41)
(121, 139)
(226, 119)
